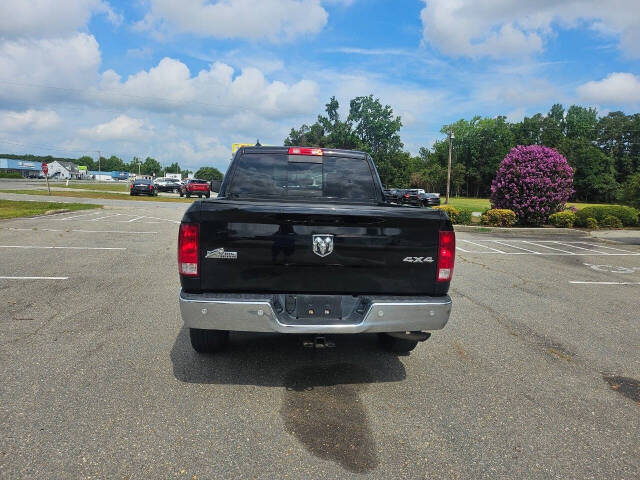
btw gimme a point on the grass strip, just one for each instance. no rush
(103, 195)
(24, 208)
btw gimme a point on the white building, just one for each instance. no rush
(63, 170)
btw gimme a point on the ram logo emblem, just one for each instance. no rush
(322, 244)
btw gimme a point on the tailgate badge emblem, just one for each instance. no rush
(322, 244)
(220, 253)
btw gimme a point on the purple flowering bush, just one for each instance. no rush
(534, 181)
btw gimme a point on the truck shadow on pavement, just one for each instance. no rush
(321, 401)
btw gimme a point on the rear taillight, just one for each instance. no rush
(446, 256)
(188, 240)
(150, 187)
(305, 151)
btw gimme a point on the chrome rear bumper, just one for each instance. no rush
(255, 313)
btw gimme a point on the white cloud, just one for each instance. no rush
(499, 28)
(270, 19)
(122, 127)
(169, 86)
(45, 18)
(518, 91)
(29, 120)
(27, 64)
(615, 89)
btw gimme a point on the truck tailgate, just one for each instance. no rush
(362, 249)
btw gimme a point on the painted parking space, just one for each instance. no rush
(501, 246)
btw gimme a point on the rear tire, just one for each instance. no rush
(181, 194)
(188, 195)
(208, 341)
(397, 345)
(208, 195)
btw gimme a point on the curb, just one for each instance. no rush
(520, 230)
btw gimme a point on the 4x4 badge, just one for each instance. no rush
(418, 259)
(322, 244)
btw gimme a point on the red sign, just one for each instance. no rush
(45, 168)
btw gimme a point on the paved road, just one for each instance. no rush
(99, 379)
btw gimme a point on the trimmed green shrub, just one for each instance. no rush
(592, 223)
(451, 211)
(611, 222)
(627, 215)
(498, 217)
(464, 216)
(564, 219)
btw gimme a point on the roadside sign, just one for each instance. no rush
(45, 170)
(236, 146)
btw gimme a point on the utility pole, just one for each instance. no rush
(449, 167)
(99, 169)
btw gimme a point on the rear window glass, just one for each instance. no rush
(321, 177)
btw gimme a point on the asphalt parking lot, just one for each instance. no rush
(533, 377)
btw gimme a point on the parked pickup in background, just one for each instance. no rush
(301, 241)
(195, 186)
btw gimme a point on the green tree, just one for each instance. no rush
(594, 178)
(88, 162)
(553, 127)
(151, 166)
(630, 193)
(173, 168)
(209, 173)
(581, 122)
(375, 126)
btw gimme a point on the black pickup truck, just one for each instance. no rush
(301, 240)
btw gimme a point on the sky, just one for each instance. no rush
(182, 81)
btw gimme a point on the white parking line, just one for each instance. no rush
(605, 283)
(77, 216)
(551, 248)
(134, 219)
(34, 278)
(61, 248)
(74, 230)
(581, 248)
(604, 246)
(102, 218)
(513, 246)
(483, 246)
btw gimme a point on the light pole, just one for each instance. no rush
(446, 201)
(99, 169)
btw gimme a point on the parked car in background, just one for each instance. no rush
(167, 184)
(418, 196)
(430, 199)
(143, 186)
(195, 186)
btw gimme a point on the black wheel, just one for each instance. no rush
(208, 341)
(181, 194)
(132, 194)
(188, 195)
(397, 345)
(208, 195)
